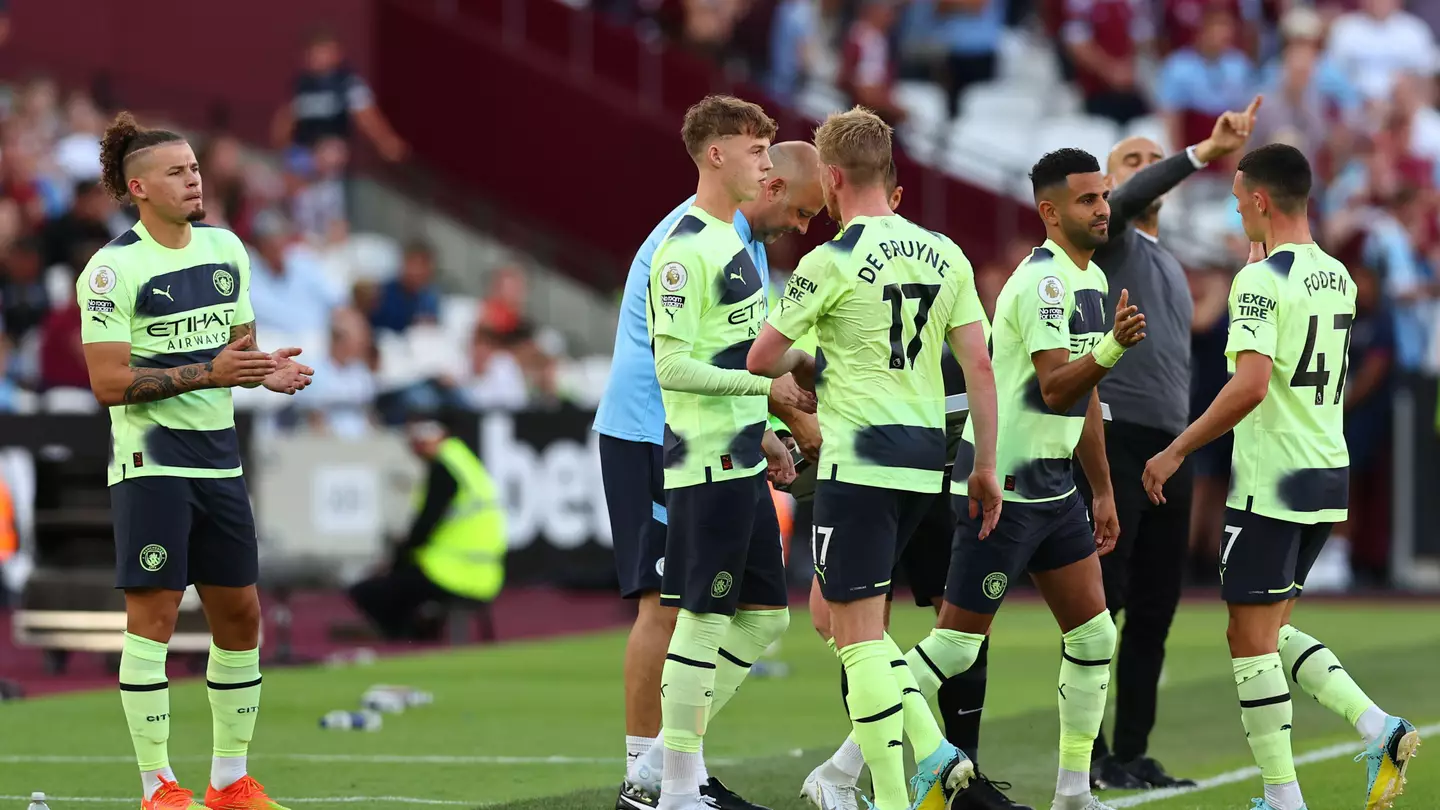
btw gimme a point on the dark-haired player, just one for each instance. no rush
(168, 330)
(1050, 346)
(1291, 310)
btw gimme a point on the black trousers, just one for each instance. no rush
(402, 603)
(1143, 576)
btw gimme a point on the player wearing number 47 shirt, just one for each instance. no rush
(1290, 317)
(882, 298)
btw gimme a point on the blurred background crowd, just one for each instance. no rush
(976, 88)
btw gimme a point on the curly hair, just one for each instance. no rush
(123, 138)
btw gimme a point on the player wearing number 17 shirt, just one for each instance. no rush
(882, 298)
(1290, 314)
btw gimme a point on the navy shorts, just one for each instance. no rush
(1032, 537)
(723, 547)
(926, 558)
(634, 479)
(171, 532)
(1264, 560)
(860, 533)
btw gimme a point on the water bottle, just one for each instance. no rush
(401, 697)
(384, 700)
(37, 801)
(342, 720)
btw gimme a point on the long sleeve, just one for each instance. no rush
(1135, 195)
(678, 371)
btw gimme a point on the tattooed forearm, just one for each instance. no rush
(153, 384)
(240, 330)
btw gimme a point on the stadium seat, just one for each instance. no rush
(1094, 135)
(458, 316)
(1150, 126)
(69, 400)
(924, 105)
(1027, 61)
(1002, 147)
(995, 101)
(818, 100)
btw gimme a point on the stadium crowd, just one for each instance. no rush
(1351, 83)
(348, 297)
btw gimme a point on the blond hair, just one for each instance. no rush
(857, 141)
(719, 116)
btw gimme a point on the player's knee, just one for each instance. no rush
(821, 623)
(654, 617)
(152, 613)
(1094, 640)
(235, 621)
(772, 624)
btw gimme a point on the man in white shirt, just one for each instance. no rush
(1379, 42)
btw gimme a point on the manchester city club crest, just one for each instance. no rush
(994, 585)
(153, 557)
(224, 281)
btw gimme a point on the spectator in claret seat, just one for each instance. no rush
(1200, 82)
(87, 220)
(867, 69)
(1102, 39)
(504, 305)
(966, 34)
(412, 297)
(288, 287)
(1378, 43)
(330, 99)
(23, 298)
(1367, 428)
(340, 401)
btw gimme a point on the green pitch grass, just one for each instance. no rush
(500, 711)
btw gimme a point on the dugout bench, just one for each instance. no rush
(69, 603)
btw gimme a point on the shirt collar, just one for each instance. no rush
(742, 227)
(1060, 254)
(1152, 239)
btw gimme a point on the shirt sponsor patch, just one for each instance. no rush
(672, 301)
(100, 305)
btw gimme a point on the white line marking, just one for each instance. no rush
(1242, 774)
(389, 759)
(334, 800)
(386, 759)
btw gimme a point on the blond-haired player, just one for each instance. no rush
(882, 298)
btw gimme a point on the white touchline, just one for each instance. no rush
(1242, 774)
(333, 800)
(373, 759)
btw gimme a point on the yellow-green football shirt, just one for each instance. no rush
(882, 298)
(705, 290)
(1290, 461)
(174, 308)
(1047, 303)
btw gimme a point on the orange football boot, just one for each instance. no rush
(247, 794)
(170, 796)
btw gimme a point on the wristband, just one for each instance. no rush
(1108, 351)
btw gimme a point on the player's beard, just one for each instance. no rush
(198, 215)
(1081, 236)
